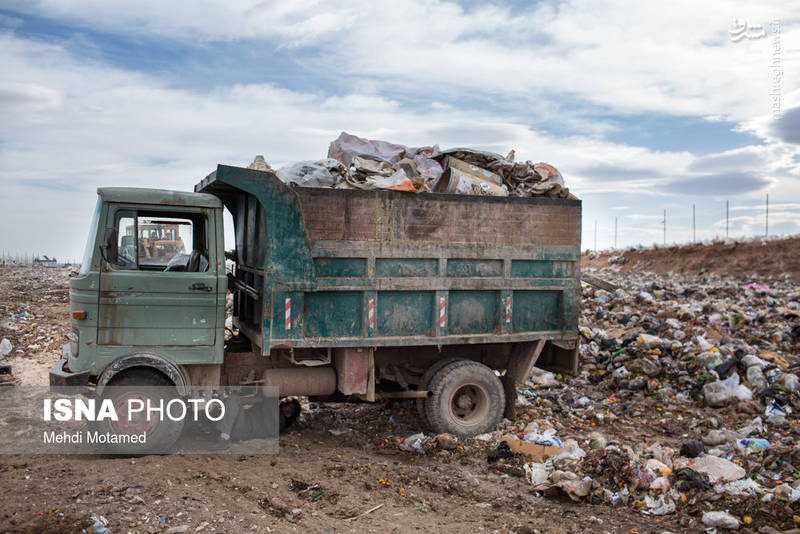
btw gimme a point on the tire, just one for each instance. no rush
(426, 380)
(139, 383)
(467, 399)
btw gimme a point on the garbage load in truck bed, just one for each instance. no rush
(320, 268)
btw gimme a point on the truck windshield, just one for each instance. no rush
(86, 262)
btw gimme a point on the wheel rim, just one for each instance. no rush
(139, 423)
(469, 404)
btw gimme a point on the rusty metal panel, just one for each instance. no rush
(353, 370)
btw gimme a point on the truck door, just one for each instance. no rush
(161, 289)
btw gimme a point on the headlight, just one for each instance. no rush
(74, 337)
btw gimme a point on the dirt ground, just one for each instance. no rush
(759, 257)
(358, 481)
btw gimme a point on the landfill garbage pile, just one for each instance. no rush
(686, 404)
(357, 163)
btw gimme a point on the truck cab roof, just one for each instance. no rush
(140, 195)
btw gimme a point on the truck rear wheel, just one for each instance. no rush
(426, 380)
(144, 385)
(466, 399)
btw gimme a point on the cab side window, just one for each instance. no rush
(161, 241)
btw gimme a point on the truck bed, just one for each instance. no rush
(326, 268)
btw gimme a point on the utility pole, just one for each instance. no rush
(595, 235)
(727, 214)
(766, 227)
(665, 226)
(615, 231)
(694, 226)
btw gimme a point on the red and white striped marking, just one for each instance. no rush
(442, 316)
(288, 314)
(508, 309)
(371, 313)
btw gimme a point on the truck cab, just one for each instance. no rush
(151, 289)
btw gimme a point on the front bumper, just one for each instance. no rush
(60, 377)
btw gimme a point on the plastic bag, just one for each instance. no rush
(322, 173)
(5, 347)
(548, 437)
(756, 378)
(346, 147)
(398, 181)
(543, 378)
(726, 391)
(721, 519)
(659, 506)
(413, 443)
(428, 168)
(536, 474)
(718, 468)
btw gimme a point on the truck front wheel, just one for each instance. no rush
(466, 399)
(151, 388)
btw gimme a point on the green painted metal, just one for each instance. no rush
(540, 269)
(340, 267)
(333, 314)
(462, 268)
(537, 311)
(404, 267)
(157, 197)
(404, 313)
(473, 312)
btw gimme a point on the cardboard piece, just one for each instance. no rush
(533, 451)
(473, 170)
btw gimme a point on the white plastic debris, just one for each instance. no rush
(659, 506)
(543, 378)
(536, 474)
(717, 469)
(721, 519)
(726, 391)
(790, 382)
(5, 347)
(413, 443)
(756, 378)
(548, 437)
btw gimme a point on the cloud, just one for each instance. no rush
(787, 128)
(732, 160)
(618, 173)
(27, 96)
(731, 183)
(683, 63)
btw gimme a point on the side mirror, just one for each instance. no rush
(109, 246)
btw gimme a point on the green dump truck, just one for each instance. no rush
(340, 295)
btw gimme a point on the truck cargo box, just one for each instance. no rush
(328, 268)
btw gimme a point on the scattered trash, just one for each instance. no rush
(5, 347)
(354, 162)
(322, 173)
(100, 525)
(537, 474)
(413, 443)
(726, 391)
(693, 449)
(721, 519)
(718, 469)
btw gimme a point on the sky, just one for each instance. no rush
(642, 108)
